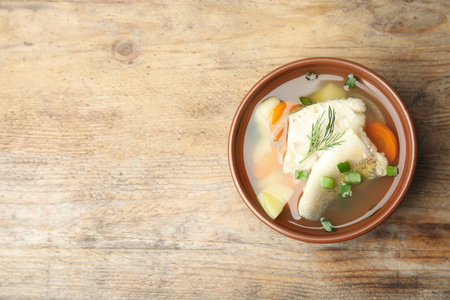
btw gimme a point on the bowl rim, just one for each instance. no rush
(232, 154)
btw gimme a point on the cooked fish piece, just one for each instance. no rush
(362, 156)
(349, 114)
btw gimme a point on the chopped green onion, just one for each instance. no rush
(305, 101)
(327, 182)
(371, 209)
(310, 76)
(351, 81)
(302, 175)
(345, 190)
(392, 171)
(343, 166)
(327, 225)
(353, 177)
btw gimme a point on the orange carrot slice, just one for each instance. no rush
(278, 112)
(266, 164)
(384, 139)
(277, 133)
(281, 112)
(295, 108)
(279, 130)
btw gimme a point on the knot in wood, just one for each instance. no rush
(125, 50)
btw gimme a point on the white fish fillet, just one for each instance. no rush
(349, 114)
(362, 156)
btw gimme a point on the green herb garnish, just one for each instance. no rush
(352, 177)
(351, 81)
(345, 190)
(302, 175)
(327, 225)
(392, 171)
(327, 182)
(343, 166)
(310, 76)
(323, 140)
(305, 101)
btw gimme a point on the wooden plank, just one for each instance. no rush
(113, 145)
(232, 271)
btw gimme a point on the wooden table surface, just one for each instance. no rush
(114, 178)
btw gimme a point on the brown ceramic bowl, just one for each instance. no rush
(387, 99)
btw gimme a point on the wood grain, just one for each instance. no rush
(114, 123)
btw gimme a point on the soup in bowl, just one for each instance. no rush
(322, 150)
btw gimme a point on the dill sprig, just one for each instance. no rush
(323, 141)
